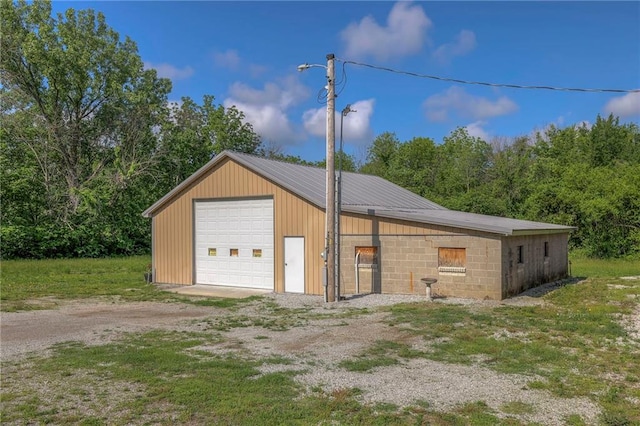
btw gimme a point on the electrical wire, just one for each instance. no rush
(322, 96)
(339, 87)
(342, 81)
(481, 83)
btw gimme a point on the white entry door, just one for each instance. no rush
(294, 264)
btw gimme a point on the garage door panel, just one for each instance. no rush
(242, 225)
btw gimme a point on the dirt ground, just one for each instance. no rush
(328, 340)
(88, 321)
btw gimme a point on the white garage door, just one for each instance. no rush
(234, 243)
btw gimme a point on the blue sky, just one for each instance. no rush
(246, 54)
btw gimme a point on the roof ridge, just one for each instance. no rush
(275, 160)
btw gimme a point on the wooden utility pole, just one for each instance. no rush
(331, 179)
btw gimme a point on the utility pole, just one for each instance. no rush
(331, 179)
(344, 113)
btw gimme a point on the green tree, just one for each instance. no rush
(380, 154)
(193, 134)
(82, 116)
(608, 142)
(463, 161)
(342, 158)
(508, 175)
(228, 130)
(414, 166)
(86, 90)
(589, 178)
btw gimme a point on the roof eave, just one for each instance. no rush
(470, 226)
(211, 164)
(185, 183)
(521, 232)
(437, 221)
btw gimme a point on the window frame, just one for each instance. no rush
(520, 255)
(452, 260)
(372, 256)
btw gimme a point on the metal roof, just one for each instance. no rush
(364, 194)
(357, 189)
(472, 221)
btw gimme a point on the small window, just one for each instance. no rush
(233, 252)
(213, 252)
(520, 254)
(257, 252)
(367, 255)
(546, 249)
(452, 260)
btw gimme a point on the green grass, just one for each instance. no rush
(517, 407)
(574, 342)
(39, 284)
(382, 353)
(572, 345)
(159, 379)
(582, 266)
(26, 280)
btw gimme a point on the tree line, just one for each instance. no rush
(88, 140)
(583, 176)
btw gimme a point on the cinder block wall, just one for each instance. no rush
(535, 268)
(404, 259)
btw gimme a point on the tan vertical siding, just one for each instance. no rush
(408, 250)
(173, 225)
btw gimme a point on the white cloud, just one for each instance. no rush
(476, 129)
(256, 70)
(266, 108)
(227, 59)
(624, 106)
(170, 71)
(404, 34)
(455, 99)
(270, 122)
(284, 93)
(464, 43)
(356, 125)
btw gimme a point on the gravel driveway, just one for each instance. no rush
(324, 340)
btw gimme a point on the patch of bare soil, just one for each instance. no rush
(631, 323)
(316, 350)
(88, 322)
(314, 347)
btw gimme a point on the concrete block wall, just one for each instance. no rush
(536, 268)
(404, 259)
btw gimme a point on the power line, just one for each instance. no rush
(481, 83)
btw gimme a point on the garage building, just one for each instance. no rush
(248, 221)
